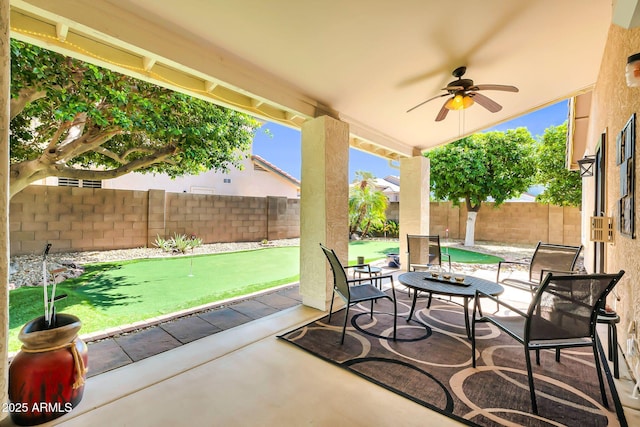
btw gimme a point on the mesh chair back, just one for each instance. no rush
(423, 251)
(550, 257)
(339, 275)
(565, 306)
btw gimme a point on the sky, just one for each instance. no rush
(280, 145)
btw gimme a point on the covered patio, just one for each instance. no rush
(345, 74)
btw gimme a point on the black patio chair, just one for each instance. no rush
(424, 252)
(562, 314)
(354, 291)
(546, 257)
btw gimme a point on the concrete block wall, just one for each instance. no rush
(393, 211)
(526, 223)
(513, 222)
(77, 219)
(84, 219)
(445, 216)
(283, 218)
(216, 218)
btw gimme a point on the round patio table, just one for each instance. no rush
(424, 281)
(372, 272)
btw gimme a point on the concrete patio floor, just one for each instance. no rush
(225, 367)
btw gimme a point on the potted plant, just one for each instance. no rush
(46, 378)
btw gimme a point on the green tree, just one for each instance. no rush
(563, 187)
(495, 165)
(367, 204)
(77, 120)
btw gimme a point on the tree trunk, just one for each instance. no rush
(469, 238)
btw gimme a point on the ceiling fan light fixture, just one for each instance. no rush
(459, 102)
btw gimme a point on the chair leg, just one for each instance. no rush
(395, 318)
(538, 357)
(331, 307)
(532, 392)
(597, 359)
(473, 341)
(344, 326)
(557, 355)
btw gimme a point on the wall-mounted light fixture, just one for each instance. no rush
(586, 166)
(633, 70)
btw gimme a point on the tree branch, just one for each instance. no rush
(122, 158)
(86, 142)
(25, 96)
(24, 173)
(159, 156)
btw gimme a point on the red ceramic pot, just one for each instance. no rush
(46, 378)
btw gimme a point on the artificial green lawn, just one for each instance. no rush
(119, 293)
(373, 250)
(113, 294)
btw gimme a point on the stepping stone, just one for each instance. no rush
(189, 329)
(104, 356)
(149, 342)
(277, 301)
(225, 318)
(254, 309)
(293, 293)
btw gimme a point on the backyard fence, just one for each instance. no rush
(86, 219)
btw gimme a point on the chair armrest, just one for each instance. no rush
(544, 272)
(480, 294)
(355, 266)
(508, 262)
(369, 279)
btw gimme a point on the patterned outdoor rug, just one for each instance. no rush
(431, 365)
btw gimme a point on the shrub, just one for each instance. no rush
(163, 244)
(178, 243)
(389, 228)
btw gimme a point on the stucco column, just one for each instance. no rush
(414, 200)
(5, 96)
(324, 216)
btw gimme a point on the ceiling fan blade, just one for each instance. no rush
(424, 102)
(487, 103)
(504, 88)
(443, 112)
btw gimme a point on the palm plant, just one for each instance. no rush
(367, 204)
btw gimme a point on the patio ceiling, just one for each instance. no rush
(362, 61)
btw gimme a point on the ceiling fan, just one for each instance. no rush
(464, 94)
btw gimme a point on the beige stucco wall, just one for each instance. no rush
(613, 103)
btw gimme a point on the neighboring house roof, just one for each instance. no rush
(388, 184)
(390, 187)
(273, 168)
